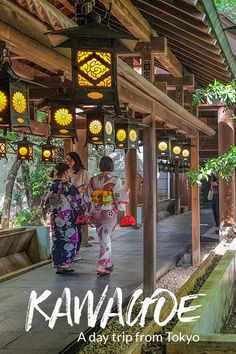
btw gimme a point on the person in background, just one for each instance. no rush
(63, 199)
(107, 197)
(215, 200)
(80, 178)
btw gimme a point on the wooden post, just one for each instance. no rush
(83, 153)
(177, 198)
(149, 192)
(131, 181)
(226, 189)
(195, 205)
(67, 146)
(150, 206)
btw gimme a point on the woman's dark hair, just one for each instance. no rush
(106, 164)
(59, 170)
(78, 163)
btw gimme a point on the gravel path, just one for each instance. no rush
(177, 276)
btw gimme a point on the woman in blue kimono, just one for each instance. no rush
(65, 202)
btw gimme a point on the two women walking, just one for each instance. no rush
(104, 195)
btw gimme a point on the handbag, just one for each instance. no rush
(210, 194)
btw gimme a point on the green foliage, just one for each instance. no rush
(217, 91)
(26, 218)
(227, 7)
(39, 180)
(222, 165)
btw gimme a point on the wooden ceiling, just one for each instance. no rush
(183, 22)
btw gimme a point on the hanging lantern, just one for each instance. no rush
(24, 150)
(3, 147)
(100, 127)
(94, 63)
(127, 136)
(133, 137)
(176, 150)
(163, 148)
(185, 154)
(62, 120)
(14, 94)
(48, 152)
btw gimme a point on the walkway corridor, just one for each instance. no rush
(173, 237)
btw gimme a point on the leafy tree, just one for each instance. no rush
(227, 7)
(222, 165)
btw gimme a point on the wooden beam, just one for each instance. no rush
(131, 18)
(161, 22)
(67, 5)
(45, 11)
(187, 81)
(172, 118)
(160, 50)
(191, 17)
(34, 50)
(137, 81)
(195, 205)
(27, 71)
(186, 22)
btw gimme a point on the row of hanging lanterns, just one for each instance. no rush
(173, 156)
(167, 148)
(103, 130)
(170, 166)
(94, 48)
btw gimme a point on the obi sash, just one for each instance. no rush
(102, 197)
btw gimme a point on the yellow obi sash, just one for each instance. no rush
(102, 197)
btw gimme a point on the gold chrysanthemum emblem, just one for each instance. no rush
(19, 102)
(121, 135)
(3, 101)
(63, 117)
(108, 128)
(95, 127)
(133, 135)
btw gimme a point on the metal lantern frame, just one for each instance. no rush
(100, 127)
(62, 119)
(161, 152)
(3, 147)
(94, 48)
(126, 136)
(24, 150)
(14, 100)
(48, 152)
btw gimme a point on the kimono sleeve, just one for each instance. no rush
(121, 195)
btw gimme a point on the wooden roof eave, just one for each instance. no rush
(210, 10)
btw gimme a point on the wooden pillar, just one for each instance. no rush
(83, 153)
(131, 181)
(195, 205)
(179, 95)
(177, 198)
(226, 190)
(150, 206)
(68, 146)
(80, 148)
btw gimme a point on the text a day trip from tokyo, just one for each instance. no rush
(138, 337)
(72, 308)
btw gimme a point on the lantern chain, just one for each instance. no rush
(5, 54)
